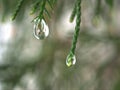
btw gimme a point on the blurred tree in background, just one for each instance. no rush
(30, 64)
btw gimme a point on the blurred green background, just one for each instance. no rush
(30, 64)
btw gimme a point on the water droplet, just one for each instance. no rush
(71, 60)
(41, 30)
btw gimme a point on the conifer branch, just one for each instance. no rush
(77, 27)
(20, 2)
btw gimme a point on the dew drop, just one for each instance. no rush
(71, 60)
(41, 30)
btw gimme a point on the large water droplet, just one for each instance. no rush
(41, 30)
(71, 60)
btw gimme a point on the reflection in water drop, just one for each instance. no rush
(41, 30)
(71, 60)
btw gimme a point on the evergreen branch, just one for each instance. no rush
(42, 8)
(35, 7)
(71, 60)
(50, 4)
(47, 13)
(77, 27)
(73, 13)
(20, 2)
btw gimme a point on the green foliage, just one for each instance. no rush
(73, 13)
(109, 2)
(38, 6)
(77, 11)
(77, 27)
(90, 73)
(17, 9)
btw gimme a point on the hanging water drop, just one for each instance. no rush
(41, 30)
(71, 60)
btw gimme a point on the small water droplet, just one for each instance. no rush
(71, 60)
(41, 30)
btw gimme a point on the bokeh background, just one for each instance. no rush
(30, 64)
